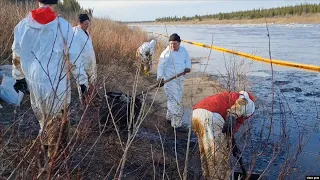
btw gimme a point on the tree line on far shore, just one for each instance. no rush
(303, 8)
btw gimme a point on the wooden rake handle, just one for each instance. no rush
(157, 85)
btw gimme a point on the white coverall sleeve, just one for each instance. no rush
(75, 50)
(161, 66)
(17, 72)
(187, 60)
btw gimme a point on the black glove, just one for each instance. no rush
(83, 89)
(21, 85)
(161, 82)
(187, 70)
(229, 125)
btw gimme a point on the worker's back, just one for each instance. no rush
(41, 41)
(41, 48)
(218, 103)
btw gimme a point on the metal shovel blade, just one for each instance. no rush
(240, 174)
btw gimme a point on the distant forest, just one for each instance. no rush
(303, 8)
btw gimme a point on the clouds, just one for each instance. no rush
(144, 10)
(131, 10)
(129, 3)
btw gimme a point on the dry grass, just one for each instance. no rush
(10, 16)
(113, 41)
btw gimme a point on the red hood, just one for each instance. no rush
(43, 15)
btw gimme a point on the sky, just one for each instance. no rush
(131, 10)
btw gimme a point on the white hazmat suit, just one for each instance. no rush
(170, 64)
(39, 57)
(145, 53)
(87, 57)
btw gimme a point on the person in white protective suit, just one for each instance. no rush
(43, 56)
(145, 56)
(82, 40)
(174, 60)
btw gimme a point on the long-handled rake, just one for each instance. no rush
(237, 154)
(157, 85)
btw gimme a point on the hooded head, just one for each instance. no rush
(249, 108)
(44, 14)
(152, 45)
(243, 106)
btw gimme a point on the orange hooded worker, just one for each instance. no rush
(215, 119)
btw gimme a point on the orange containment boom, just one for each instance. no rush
(256, 58)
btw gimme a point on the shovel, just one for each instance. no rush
(236, 153)
(157, 85)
